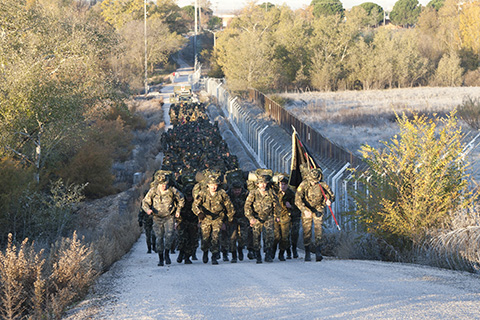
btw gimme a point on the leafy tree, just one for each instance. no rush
(160, 44)
(53, 70)
(331, 44)
(448, 31)
(405, 12)
(327, 8)
(415, 182)
(375, 13)
(214, 23)
(435, 4)
(120, 12)
(449, 73)
(290, 54)
(410, 67)
(470, 26)
(245, 51)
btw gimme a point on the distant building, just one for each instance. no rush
(226, 19)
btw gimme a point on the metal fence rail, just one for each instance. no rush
(315, 142)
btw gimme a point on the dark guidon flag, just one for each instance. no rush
(302, 161)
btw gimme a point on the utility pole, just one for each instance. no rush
(195, 38)
(145, 34)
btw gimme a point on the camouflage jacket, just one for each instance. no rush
(309, 196)
(286, 213)
(163, 205)
(261, 207)
(214, 206)
(239, 204)
(186, 214)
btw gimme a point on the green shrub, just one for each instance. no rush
(415, 182)
(469, 112)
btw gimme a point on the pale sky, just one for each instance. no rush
(220, 6)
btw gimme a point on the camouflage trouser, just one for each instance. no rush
(224, 239)
(187, 237)
(164, 228)
(294, 232)
(150, 235)
(307, 230)
(210, 234)
(266, 228)
(238, 232)
(282, 234)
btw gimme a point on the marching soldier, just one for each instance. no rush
(261, 208)
(311, 201)
(286, 199)
(211, 206)
(164, 203)
(238, 229)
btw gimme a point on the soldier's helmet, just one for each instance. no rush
(213, 180)
(283, 179)
(237, 184)
(316, 174)
(161, 179)
(262, 179)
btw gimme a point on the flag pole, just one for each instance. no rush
(321, 189)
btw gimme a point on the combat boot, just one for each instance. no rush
(214, 259)
(205, 256)
(318, 255)
(149, 250)
(234, 257)
(180, 256)
(160, 259)
(268, 255)
(281, 255)
(258, 256)
(294, 251)
(194, 255)
(307, 254)
(251, 255)
(289, 254)
(240, 254)
(225, 255)
(167, 257)
(187, 260)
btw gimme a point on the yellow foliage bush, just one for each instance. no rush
(416, 182)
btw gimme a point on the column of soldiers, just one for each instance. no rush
(200, 193)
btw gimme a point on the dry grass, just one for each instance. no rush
(34, 287)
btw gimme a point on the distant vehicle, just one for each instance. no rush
(182, 94)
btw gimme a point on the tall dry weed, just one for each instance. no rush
(456, 249)
(73, 270)
(20, 273)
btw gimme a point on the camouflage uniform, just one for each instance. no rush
(282, 227)
(238, 229)
(187, 229)
(261, 210)
(211, 209)
(310, 200)
(146, 221)
(164, 206)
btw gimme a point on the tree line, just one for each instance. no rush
(324, 47)
(67, 70)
